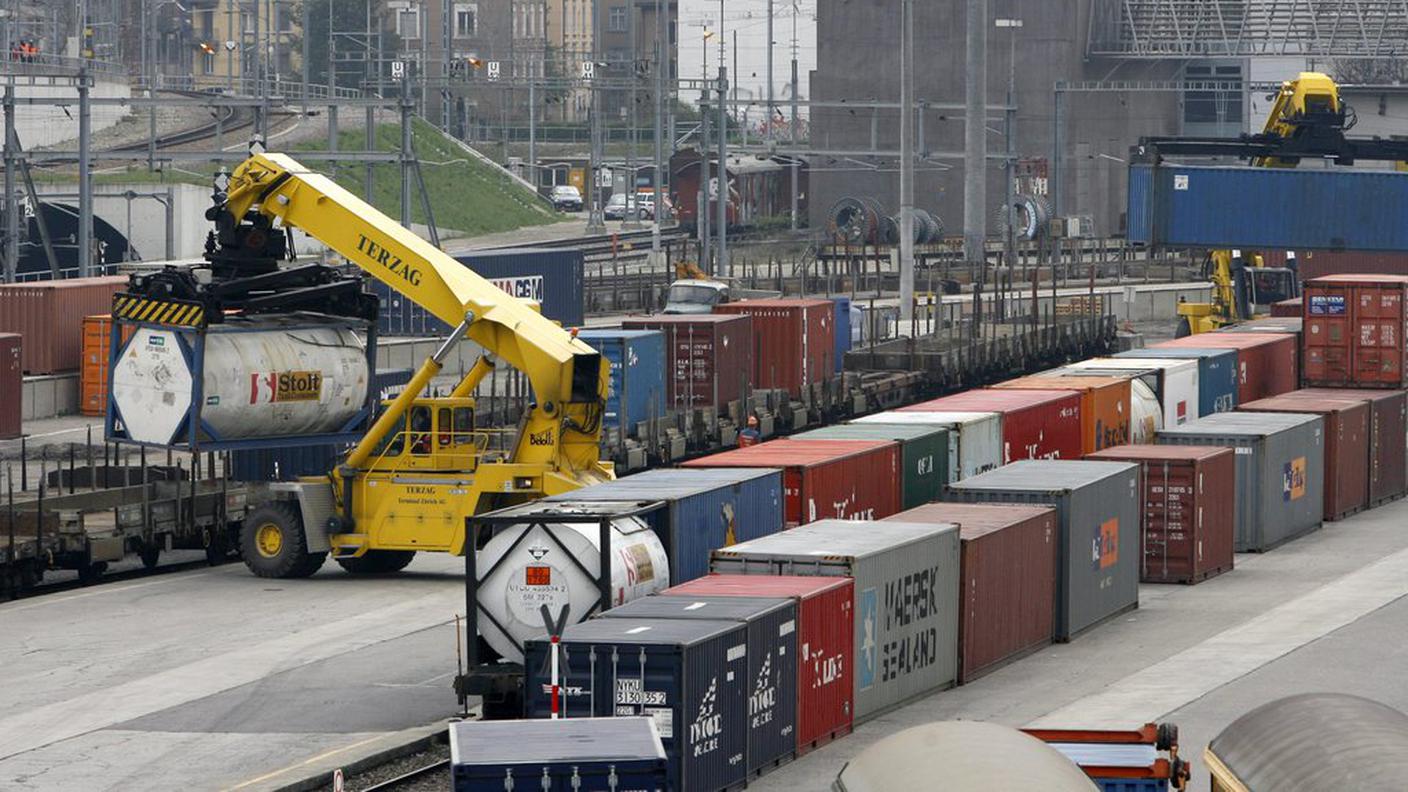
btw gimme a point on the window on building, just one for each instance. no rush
(207, 64)
(408, 23)
(1213, 106)
(616, 19)
(283, 17)
(466, 19)
(207, 25)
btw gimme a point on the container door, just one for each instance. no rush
(1171, 550)
(1378, 342)
(1327, 333)
(792, 502)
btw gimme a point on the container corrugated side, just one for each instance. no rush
(11, 385)
(843, 329)
(1267, 364)
(1139, 215)
(1104, 409)
(923, 454)
(49, 314)
(1036, 424)
(794, 342)
(557, 755)
(906, 598)
(1347, 435)
(1175, 382)
(93, 377)
(637, 391)
(709, 358)
(1217, 374)
(1388, 438)
(552, 277)
(974, 439)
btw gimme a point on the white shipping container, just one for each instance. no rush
(975, 438)
(1176, 382)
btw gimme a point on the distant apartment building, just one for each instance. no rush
(626, 42)
(219, 43)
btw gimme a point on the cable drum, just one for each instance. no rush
(1028, 215)
(855, 221)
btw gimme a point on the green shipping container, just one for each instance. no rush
(923, 453)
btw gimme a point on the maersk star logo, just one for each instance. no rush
(868, 616)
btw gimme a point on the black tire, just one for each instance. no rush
(283, 551)
(150, 556)
(89, 573)
(378, 562)
(1184, 329)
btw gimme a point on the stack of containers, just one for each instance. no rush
(1267, 363)
(924, 454)
(825, 658)
(1098, 545)
(637, 388)
(1347, 436)
(1104, 406)
(708, 358)
(1354, 326)
(794, 342)
(49, 315)
(1007, 593)
(1388, 438)
(1217, 374)
(1036, 424)
(93, 378)
(557, 755)
(11, 385)
(1174, 382)
(844, 479)
(974, 438)
(1188, 500)
(704, 509)
(1280, 471)
(906, 577)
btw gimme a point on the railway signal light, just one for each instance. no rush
(207, 48)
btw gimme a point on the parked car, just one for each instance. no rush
(566, 198)
(619, 207)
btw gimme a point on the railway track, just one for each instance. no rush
(229, 119)
(435, 775)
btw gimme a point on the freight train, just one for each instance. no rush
(759, 189)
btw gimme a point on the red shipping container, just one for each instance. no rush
(825, 479)
(825, 625)
(710, 357)
(1007, 563)
(1287, 308)
(1189, 506)
(11, 385)
(1036, 424)
(1354, 327)
(1319, 263)
(1267, 363)
(794, 342)
(1347, 436)
(49, 314)
(1388, 437)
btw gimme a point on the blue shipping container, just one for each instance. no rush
(637, 391)
(569, 755)
(691, 677)
(1305, 209)
(843, 329)
(1217, 374)
(772, 663)
(706, 508)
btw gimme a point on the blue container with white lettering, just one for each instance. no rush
(690, 676)
(772, 663)
(1217, 374)
(637, 391)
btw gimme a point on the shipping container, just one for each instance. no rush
(794, 342)
(1301, 210)
(705, 509)
(1313, 264)
(93, 376)
(49, 314)
(924, 453)
(825, 625)
(1286, 308)
(690, 677)
(1098, 505)
(1290, 325)
(1280, 471)
(1174, 382)
(1104, 406)
(637, 390)
(1036, 424)
(1188, 504)
(1267, 363)
(1354, 327)
(1347, 439)
(1388, 437)
(1217, 374)
(844, 479)
(906, 598)
(1007, 596)
(772, 663)
(566, 755)
(843, 330)
(709, 357)
(974, 438)
(11, 385)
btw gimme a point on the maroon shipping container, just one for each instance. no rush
(11, 385)
(1289, 308)
(824, 479)
(825, 625)
(1189, 506)
(1036, 424)
(1007, 563)
(49, 314)
(1347, 445)
(1319, 263)
(1354, 327)
(1388, 437)
(710, 357)
(794, 341)
(1267, 363)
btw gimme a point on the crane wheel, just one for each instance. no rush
(1184, 329)
(378, 562)
(273, 543)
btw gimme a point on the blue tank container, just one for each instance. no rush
(1217, 374)
(637, 360)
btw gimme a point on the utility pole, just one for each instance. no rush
(795, 167)
(596, 222)
(975, 184)
(12, 206)
(406, 107)
(661, 67)
(447, 47)
(1009, 247)
(632, 203)
(722, 268)
(85, 184)
(769, 113)
(907, 163)
(702, 206)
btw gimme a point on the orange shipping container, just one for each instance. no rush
(93, 380)
(1104, 404)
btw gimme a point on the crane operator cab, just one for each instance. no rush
(437, 434)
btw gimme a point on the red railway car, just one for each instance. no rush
(759, 188)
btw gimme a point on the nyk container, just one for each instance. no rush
(1217, 374)
(825, 626)
(1388, 436)
(1347, 438)
(704, 509)
(772, 663)
(844, 479)
(690, 677)
(1007, 595)
(1104, 405)
(1188, 505)
(1267, 363)
(906, 598)
(1280, 471)
(1354, 326)
(97, 349)
(11, 385)
(1174, 382)
(1098, 504)
(709, 357)
(49, 314)
(924, 454)
(794, 342)
(637, 390)
(1036, 424)
(566, 755)
(974, 438)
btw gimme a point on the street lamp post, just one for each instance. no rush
(1009, 243)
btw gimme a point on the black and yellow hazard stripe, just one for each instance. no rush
(165, 312)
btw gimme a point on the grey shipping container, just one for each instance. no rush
(772, 662)
(906, 589)
(568, 755)
(1098, 553)
(1280, 471)
(691, 677)
(924, 454)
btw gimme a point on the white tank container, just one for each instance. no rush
(1146, 416)
(533, 571)
(256, 383)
